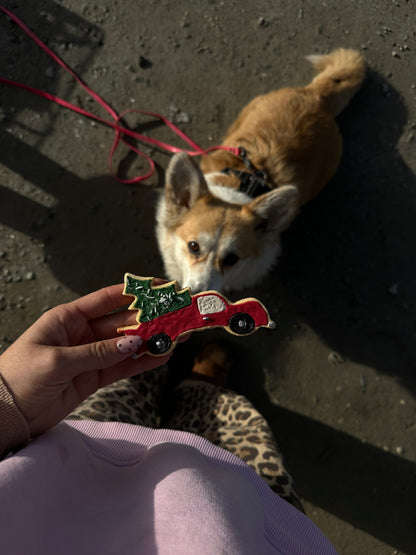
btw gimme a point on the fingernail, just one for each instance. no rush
(129, 343)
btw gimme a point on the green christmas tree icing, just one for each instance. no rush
(155, 301)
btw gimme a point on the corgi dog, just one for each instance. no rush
(219, 225)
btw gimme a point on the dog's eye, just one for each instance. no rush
(193, 247)
(230, 259)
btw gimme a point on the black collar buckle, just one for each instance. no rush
(253, 182)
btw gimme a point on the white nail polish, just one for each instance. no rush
(129, 344)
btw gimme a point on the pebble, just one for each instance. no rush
(177, 115)
(263, 23)
(335, 358)
(182, 117)
(144, 63)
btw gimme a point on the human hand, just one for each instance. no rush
(68, 353)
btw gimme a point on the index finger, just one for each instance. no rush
(100, 302)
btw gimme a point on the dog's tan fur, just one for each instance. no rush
(213, 236)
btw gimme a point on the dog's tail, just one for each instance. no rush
(340, 76)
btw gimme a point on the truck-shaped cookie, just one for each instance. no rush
(166, 312)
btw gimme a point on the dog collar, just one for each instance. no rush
(252, 184)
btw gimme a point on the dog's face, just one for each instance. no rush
(214, 237)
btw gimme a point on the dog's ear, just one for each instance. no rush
(185, 183)
(276, 209)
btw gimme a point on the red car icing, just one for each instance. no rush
(202, 313)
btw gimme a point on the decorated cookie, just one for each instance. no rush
(165, 312)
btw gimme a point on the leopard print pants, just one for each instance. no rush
(220, 415)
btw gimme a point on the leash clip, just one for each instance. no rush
(242, 152)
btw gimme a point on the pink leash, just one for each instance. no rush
(120, 132)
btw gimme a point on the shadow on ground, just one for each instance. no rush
(96, 231)
(349, 267)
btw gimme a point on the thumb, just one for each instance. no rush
(102, 354)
